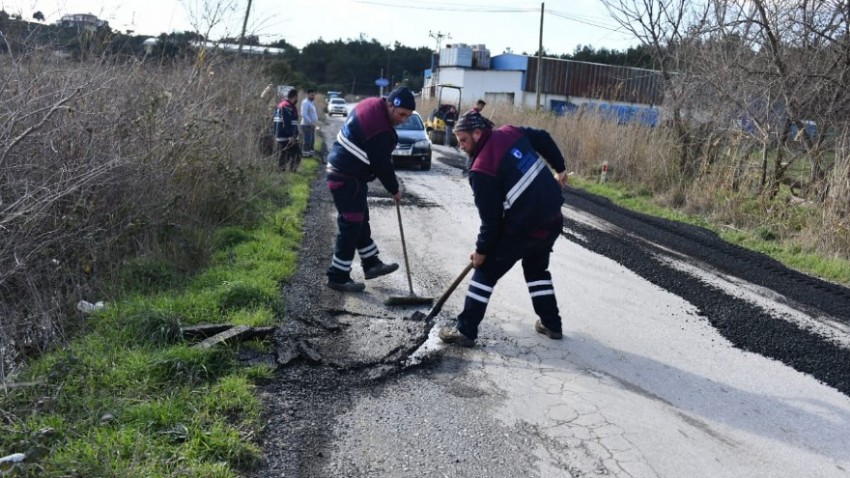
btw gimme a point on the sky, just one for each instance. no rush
(500, 25)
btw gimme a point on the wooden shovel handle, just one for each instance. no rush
(442, 300)
(404, 248)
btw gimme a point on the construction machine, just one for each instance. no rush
(435, 125)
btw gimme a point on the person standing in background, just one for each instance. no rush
(286, 132)
(450, 118)
(309, 122)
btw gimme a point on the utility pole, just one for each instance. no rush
(439, 38)
(244, 26)
(540, 56)
(436, 68)
(389, 71)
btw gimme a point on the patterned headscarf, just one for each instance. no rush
(472, 120)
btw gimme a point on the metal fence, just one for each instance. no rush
(596, 81)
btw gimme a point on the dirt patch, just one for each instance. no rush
(327, 347)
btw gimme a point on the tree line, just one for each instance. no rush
(350, 65)
(639, 56)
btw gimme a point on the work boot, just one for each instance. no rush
(451, 335)
(542, 329)
(348, 286)
(379, 269)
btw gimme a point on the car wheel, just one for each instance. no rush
(425, 165)
(437, 137)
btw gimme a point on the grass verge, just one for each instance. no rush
(786, 251)
(129, 398)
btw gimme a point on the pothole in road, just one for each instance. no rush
(359, 342)
(372, 341)
(410, 200)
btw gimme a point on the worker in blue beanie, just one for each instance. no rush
(363, 152)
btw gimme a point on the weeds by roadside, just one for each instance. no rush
(148, 185)
(130, 398)
(785, 249)
(106, 160)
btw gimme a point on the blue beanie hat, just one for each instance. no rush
(401, 97)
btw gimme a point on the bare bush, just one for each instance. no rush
(103, 161)
(836, 211)
(773, 68)
(666, 28)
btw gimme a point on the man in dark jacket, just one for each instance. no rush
(362, 152)
(286, 132)
(519, 203)
(450, 119)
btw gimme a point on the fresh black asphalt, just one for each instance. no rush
(744, 324)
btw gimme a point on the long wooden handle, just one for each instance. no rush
(442, 300)
(404, 248)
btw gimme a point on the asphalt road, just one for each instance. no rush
(682, 356)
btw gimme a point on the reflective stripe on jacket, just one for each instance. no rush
(365, 144)
(285, 121)
(515, 192)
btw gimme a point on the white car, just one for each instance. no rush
(337, 106)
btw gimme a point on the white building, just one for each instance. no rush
(565, 85)
(83, 21)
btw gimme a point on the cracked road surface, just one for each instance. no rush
(682, 355)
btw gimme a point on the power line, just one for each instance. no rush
(452, 7)
(578, 19)
(455, 7)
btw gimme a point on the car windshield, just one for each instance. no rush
(413, 122)
(338, 101)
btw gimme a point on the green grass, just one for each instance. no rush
(762, 238)
(640, 201)
(128, 398)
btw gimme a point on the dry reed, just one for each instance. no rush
(725, 187)
(103, 161)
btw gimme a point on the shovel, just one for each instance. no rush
(443, 298)
(411, 299)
